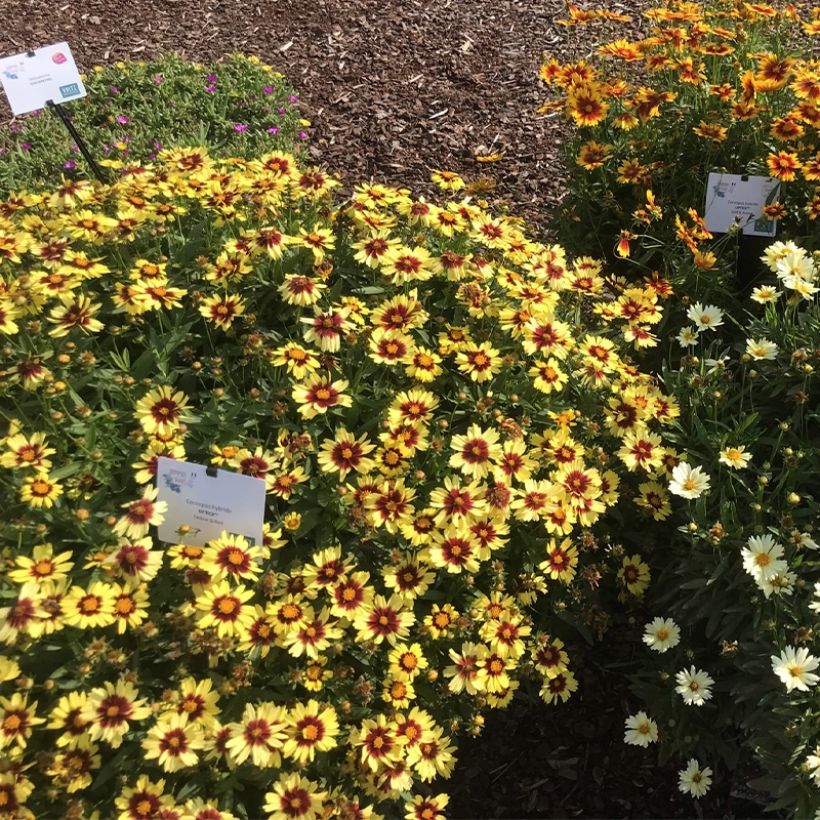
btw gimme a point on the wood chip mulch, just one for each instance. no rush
(394, 88)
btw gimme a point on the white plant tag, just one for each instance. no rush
(209, 502)
(32, 79)
(739, 199)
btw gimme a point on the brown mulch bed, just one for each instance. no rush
(394, 88)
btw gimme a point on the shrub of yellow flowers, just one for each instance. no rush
(448, 418)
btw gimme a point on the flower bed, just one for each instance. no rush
(133, 110)
(449, 421)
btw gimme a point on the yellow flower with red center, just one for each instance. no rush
(27, 452)
(144, 800)
(402, 265)
(390, 347)
(259, 736)
(641, 449)
(297, 289)
(310, 729)
(294, 797)
(319, 395)
(161, 409)
(350, 594)
(110, 709)
(561, 561)
(406, 661)
(197, 701)
(222, 309)
(441, 621)
(42, 567)
(173, 742)
(475, 451)
(585, 104)
(326, 328)
(463, 674)
(634, 575)
(17, 718)
(225, 609)
(480, 362)
(89, 608)
(40, 491)
(559, 687)
(384, 620)
(390, 505)
(426, 808)
(312, 636)
(377, 743)
(299, 361)
(141, 515)
(130, 606)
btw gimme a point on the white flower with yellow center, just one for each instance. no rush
(705, 317)
(795, 667)
(735, 457)
(765, 294)
(694, 686)
(688, 481)
(641, 730)
(695, 780)
(661, 634)
(687, 337)
(763, 557)
(760, 349)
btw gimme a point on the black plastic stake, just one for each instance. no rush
(95, 169)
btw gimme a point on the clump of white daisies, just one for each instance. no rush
(694, 687)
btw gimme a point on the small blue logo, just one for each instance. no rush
(70, 90)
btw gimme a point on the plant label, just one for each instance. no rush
(204, 502)
(32, 79)
(739, 199)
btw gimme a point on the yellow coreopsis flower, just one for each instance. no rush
(111, 708)
(40, 491)
(310, 729)
(173, 741)
(17, 718)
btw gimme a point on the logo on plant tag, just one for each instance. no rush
(69, 90)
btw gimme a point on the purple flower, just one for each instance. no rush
(211, 78)
(240, 127)
(70, 165)
(75, 149)
(158, 79)
(25, 146)
(114, 89)
(273, 129)
(157, 146)
(268, 89)
(293, 99)
(209, 89)
(280, 110)
(122, 120)
(303, 135)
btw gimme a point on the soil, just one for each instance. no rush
(395, 88)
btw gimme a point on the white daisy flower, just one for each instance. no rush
(661, 634)
(735, 457)
(803, 288)
(641, 730)
(780, 584)
(765, 294)
(795, 265)
(763, 557)
(776, 251)
(795, 667)
(761, 349)
(687, 337)
(815, 604)
(694, 780)
(694, 686)
(813, 764)
(705, 317)
(688, 481)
